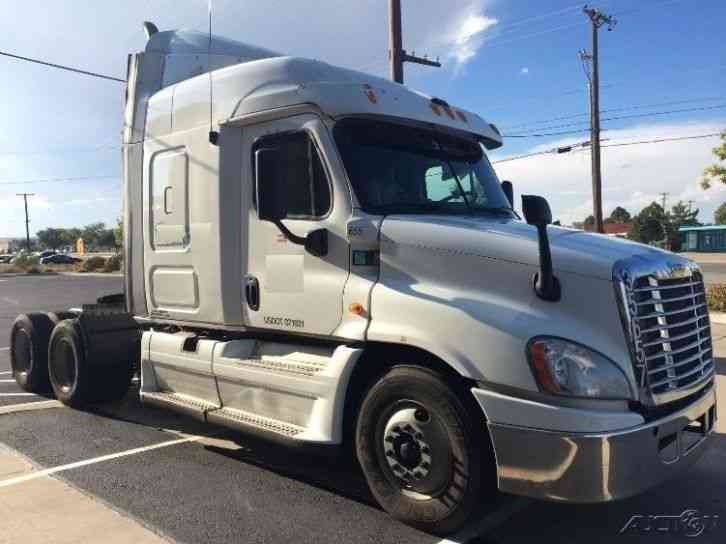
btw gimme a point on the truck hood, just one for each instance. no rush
(514, 241)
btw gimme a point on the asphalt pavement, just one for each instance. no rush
(176, 479)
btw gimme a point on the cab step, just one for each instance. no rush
(178, 402)
(238, 419)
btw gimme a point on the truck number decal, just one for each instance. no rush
(285, 322)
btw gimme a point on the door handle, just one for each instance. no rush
(252, 292)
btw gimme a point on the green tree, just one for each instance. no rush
(50, 238)
(91, 234)
(619, 215)
(649, 224)
(681, 216)
(70, 236)
(719, 216)
(717, 171)
(118, 234)
(589, 222)
(106, 239)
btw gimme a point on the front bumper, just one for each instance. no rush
(598, 467)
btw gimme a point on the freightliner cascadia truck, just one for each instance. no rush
(325, 257)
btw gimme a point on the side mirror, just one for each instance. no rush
(316, 242)
(508, 189)
(537, 212)
(270, 201)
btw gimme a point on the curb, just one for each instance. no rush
(93, 274)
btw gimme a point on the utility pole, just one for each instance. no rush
(690, 205)
(663, 199)
(597, 19)
(397, 54)
(27, 220)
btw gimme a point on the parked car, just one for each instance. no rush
(47, 253)
(59, 258)
(6, 258)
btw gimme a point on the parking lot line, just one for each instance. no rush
(6, 372)
(28, 406)
(78, 464)
(5, 348)
(18, 395)
(7, 381)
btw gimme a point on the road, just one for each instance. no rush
(173, 479)
(713, 266)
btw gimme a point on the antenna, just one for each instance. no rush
(213, 136)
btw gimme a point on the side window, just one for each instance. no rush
(299, 169)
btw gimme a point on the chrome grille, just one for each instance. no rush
(666, 318)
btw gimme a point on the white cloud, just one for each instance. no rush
(524, 71)
(467, 35)
(633, 176)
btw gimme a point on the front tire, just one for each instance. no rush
(423, 449)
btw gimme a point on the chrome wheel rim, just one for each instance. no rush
(417, 450)
(63, 365)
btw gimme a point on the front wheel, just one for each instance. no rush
(423, 449)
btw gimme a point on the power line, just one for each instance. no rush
(585, 145)
(55, 180)
(545, 134)
(639, 115)
(613, 110)
(660, 140)
(62, 67)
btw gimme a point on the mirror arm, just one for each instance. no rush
(546, 284)
(294, 238)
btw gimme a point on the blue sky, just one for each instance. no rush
(513, 61)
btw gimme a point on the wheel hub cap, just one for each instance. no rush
(404, 441)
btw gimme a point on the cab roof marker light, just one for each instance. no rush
(372, 98)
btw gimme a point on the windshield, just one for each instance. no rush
(401, 169)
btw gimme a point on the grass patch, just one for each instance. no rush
(716, 297)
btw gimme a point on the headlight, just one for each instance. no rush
(566, 368)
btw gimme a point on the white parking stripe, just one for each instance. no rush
(6, 372)
(48, 471)
(486, 523)
(4, 349)
(7, 381)
(18, 395)
(30, 406)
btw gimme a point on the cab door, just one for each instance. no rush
(287, 288)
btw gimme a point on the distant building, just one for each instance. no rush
(708, 238)
(5, 244)
(620, 230)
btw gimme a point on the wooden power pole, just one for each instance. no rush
(397, 54)
(597, 19)
(27, 220)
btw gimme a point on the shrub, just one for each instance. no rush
(716, 296)
(26, 261)
(92, 264)
(113, 264)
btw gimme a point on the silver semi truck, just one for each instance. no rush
(322, 256)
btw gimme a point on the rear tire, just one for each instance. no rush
(29, 338)
(423, 449)
(77, 381)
